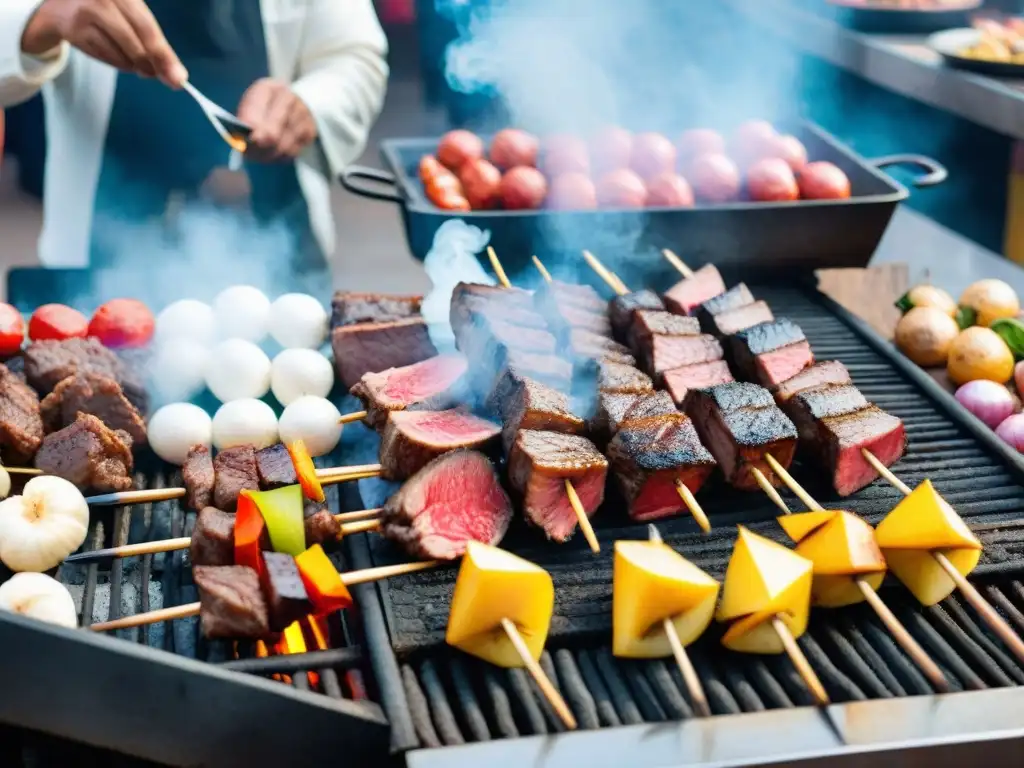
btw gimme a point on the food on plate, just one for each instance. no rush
(979, 353)
(690, 292)
(245, 421)
(669, 190)
(925, 334)
(990, 402)
(823, 181)
(621, 188)
(770, 353)
(697, 142)
(652, 154)
(927, 296)
(611, 149)
(93, 393)
(572, 192)
(412, 439)
(123, 323)
(522, 188)
(57, 322)
(234, 470)
(434, 384)
(298, 320)
(772, 179)
(564, 153)
(379, 345)
(188, 319)
(715, 178)
(242, 312)
(12, 331)
(89, 454)
(512, 147)
(790, 149)
(492, 586)
(998, 40)
(238, 369)
(21, 425)
(175, 428)
(1011, 431)
(41, 597)
(652, 583)
(991, 300)
(297, 372)
(314, 420)
(42, 526)
(480, 183)
(458, 147)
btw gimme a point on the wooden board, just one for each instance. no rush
(869, 293)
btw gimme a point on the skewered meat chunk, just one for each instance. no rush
(622, 310)
(213, 539)
(649, 455)
(840, 440)
(827, 372)
(287, 601)
(557, 293)
(94, 393)
(570, 318)
(431, 385)
(681, 381)
(231, 604)
(412, 439)
(366, 347)
(234, 471)
(470, 309)
(770, 353)
(740, 423)
(667, 352)
(737, 296)
(617, 377)
(455, 499)
(808, 407)
(48, 363)
(493, 293)
(689, 293)
(487, 342)
(584, 347)
(321, 526)
(197, 472)
(538, 466)
(533, 405)
(88, 454)
(21, 428)
(275, 467)
(648, 322)
(547, 369)
(615, 409)
(348, 307)
(739, 319)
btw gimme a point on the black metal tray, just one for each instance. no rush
(951, 42)
(807, 234)
(900, 21)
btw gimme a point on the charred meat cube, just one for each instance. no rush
(770, 353)
(88, 454)
(547, 369)
(94, 393)
(690, 292)
(533, 405)
(618, 377)
(539, 465)
(827, 372)
(321, 526)
(516, 307)
(21, 428)
(412, 439)
(197, 472)
(585, 347)
(622, 310)
(570, 318)
(567, 307)
(679, 381)
(736, 320)
(348, 307)
(234, 471)
(740, 436)
(840, 440)
(615, 409)
(487, 344)
(455, 499)
(275, 467)
(809, 407)
(667, 352)
(213, 539)
(737, 296)
(48, 363)
(287, 600)
(649, 456)
(648, 322)
(231, 603)
(493, 293)
(578, 295)
(431, 385)
(366, 347)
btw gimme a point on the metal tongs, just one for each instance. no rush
(234, 132)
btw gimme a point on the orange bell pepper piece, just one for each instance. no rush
(322, 581)
(305, 471)
(249, 531)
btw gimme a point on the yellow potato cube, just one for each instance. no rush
(924, 520)
(802, 524)
(921, 573)
(844, 546)
(652, 582)
(495, 585)
(840, 591)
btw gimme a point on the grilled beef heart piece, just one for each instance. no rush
(539, 465)
(649, 455)
(737, 296)
(197, 472)
(739, 423)
(808, 407)
(736, 320)
(585, 348)
(21, 428)
(412, 439)
(94, 393)
(617, 377)
(365, 347)
(88, 454)
(680, 381)
(275, 467)
(840, 440)
(431, 385)
(231, 603)
(349, 307)
(234, 471)
(667, 352)
(616, 408)
(648, 322)
(321, 526)
(48, 363)
(827, 372)
(686, 295)
(770, 353)
(213, 538)
(533, 405)
(287, 600)
(454, 499)
(622, 310)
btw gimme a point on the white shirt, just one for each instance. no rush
(332, 51)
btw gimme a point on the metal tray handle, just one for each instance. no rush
(936, 172)
(351, 179)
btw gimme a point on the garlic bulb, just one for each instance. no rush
(44, 525)
(38, 596)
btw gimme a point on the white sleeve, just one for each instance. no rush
(22, 76)
(343, 75)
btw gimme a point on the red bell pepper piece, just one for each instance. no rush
(322, 581)
(249, 531)
(305, 471)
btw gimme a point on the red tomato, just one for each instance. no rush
(563, 153)
(57, 321)
(652, 155)
(12, 330)
(621, 189)
(458, 147)
(772, 180)
(697, 142)
(512, 147)
(669, 190)
(752, 141)
(823, 181)
(791, 150)
(523, 188)
(611, 148)
(480, 182)
(122, 323)
(572, 192)
(715, 178)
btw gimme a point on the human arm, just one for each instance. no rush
(21, 74)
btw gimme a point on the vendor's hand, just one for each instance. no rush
(122, 33)
(282, 125)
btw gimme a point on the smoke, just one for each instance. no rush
(452, 259)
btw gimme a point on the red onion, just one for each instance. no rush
(989, 401)
(1012, 431)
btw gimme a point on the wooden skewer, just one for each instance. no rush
(543, 270)
(348, 418)
(676, 262)
(984, 609)
(192, 609)
(582, 517)
(605, 274)
(539, 676)
(23, 471)
(770, 490)
(498, 269)
(803, 667)
(693, 505)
